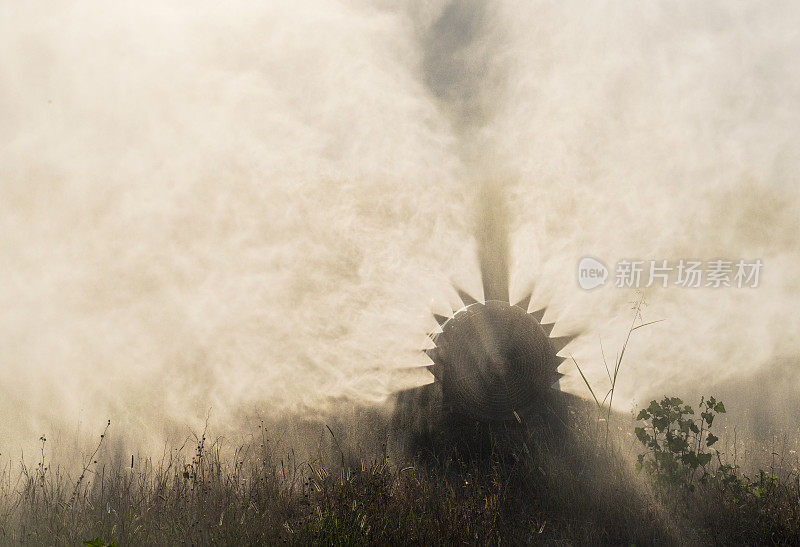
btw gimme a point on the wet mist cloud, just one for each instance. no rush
(233, 207)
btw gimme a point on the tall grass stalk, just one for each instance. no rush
(612, 377)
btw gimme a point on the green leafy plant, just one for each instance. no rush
(679, 444)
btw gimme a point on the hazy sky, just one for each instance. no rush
(252, 205)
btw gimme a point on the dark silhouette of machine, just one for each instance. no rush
(495, 370)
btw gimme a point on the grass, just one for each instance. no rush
(530, 487)
(255, 497)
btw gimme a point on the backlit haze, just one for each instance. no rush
(244, 207)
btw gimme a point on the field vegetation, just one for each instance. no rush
(677, 487)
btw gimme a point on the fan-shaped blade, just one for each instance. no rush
(433, 353)
(465, 297)
(433, 368)
(441, 319)
(525, 302)
(413, 376)
(547, 327)
(538, 314)
(560, 342)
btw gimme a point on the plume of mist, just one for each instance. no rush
(240, 206)
(493, 238)
(458, 70)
